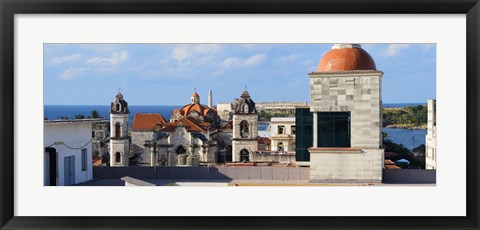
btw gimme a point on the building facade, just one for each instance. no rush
(346, 105)
(68, 152)
(282, 135)
(431, 138)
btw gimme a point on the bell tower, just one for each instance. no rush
(245, 128)
(119, 141)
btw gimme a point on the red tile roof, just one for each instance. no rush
(147, 121)
(190, 124)
(388, 164)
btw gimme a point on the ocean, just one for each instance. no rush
(409, 138)
(52, 112)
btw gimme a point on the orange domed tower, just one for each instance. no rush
(346, 57)
(346, 102)
(196, 110)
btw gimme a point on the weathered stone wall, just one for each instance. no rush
(123, 120)
(138, 141)
(250, 142)
(363, 165)
(119, 144)
(267, 157)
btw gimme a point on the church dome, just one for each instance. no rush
(346, 57)
(202, 110)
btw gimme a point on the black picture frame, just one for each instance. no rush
(9, 8)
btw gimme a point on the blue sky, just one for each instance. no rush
(166, 74)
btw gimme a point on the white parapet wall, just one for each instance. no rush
(346, 165)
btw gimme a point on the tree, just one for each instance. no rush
(95, 114)
(79, 116)
(63, 118)
(402, 151)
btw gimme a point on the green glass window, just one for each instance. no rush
(334, 129)
(303, 134)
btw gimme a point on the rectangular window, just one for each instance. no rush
(334, 129)
(84, 159)
(281, 129)
(294, 129)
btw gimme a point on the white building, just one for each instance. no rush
(346, 103)
(68, 152)
(282, 134)
(431, 138)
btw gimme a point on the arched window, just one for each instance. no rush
(180, 150)
(118, 157)
(244, 129)
(280, 146)
(244, 155)
(118, 130)
(118, 107)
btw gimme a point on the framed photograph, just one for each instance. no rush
(201, 114)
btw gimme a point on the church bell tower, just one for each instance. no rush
(119, 141)
(245, 128)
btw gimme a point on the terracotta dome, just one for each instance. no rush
(200, 109)
(346, 58)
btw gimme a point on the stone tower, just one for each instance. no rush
(346, 102)
(210, 98)
(119, 141)
(245, 128)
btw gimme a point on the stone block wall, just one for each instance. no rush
(358, 93)
(361, 165)
(281, 158)
(138, 141)
(121, 146)
(249, 143)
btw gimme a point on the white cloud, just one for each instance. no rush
(183, 52)
(394, 49)
(65, 59)
(114, 59)
(71, 73)
(254, 60)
